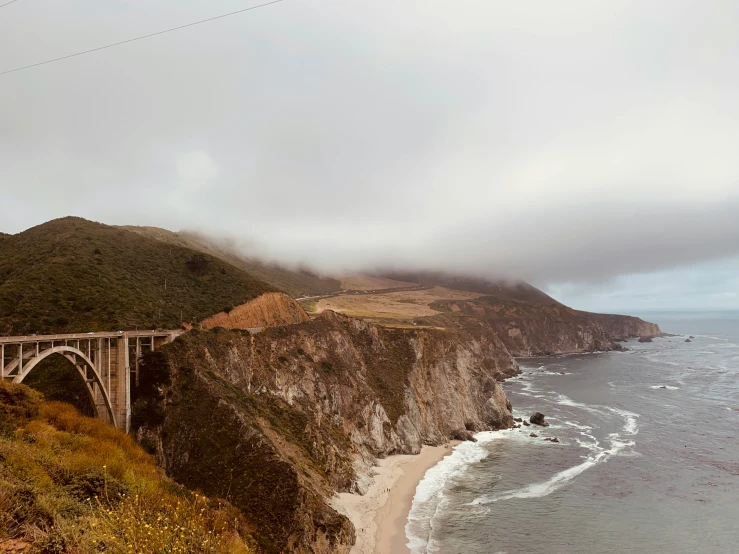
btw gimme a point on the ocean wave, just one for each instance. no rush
(618, 445)
(577, 425)
(558, 480)
(430, 491)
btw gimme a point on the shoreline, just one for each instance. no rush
(379, 516)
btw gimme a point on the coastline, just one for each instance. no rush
(380, 515)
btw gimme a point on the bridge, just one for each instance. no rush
(103, 360)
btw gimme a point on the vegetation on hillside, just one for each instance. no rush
(295, 281)
(69, 483)
(73, 275)
(58, 380)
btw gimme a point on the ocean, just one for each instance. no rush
(648, 458)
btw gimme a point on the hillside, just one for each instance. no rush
(296, 282)
(73, 275)
(296, 413)
(74, 484)
(528, 321)
(269, 310)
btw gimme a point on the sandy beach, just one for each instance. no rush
(380, 515)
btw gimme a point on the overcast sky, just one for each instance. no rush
(588, 147)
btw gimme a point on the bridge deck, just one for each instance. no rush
(85, 336)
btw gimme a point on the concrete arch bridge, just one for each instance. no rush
(103, 360)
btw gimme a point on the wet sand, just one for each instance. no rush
(380, 515)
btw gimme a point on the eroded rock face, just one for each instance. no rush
(268, 310)
(277, 421)
(541, 328)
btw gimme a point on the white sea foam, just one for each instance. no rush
(558, 480)
(598, 454)
(578, 426)
(429, 496)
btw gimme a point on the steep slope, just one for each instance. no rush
(528, 321)
(296, 282)
(532, 329)
(73, 275)
(297, 412)
(74, 484)
(268, 310)
(619, 327)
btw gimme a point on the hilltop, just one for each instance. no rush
(296, 282)
(74, 275)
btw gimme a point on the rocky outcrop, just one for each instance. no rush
(278, 421)
(537, 418)
(268, 310)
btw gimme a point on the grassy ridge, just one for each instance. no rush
(73, 275)
(69, 483)
(296, 282)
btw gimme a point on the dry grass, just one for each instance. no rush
(402, 305)
(357, 281)
(73, 484)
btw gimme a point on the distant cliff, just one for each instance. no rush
(537, 329)
(278, 421)
(619, 327)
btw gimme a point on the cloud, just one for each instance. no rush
(558, 142)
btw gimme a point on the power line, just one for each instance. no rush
(7, 3)
(138, 38)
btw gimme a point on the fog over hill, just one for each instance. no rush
(579, 148)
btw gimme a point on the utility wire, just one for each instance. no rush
(138, 38)
(7, 3)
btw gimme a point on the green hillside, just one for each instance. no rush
(296, 282)
(73, 275)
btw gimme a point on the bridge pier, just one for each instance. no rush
(103, 360)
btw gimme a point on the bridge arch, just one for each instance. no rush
(74, 355)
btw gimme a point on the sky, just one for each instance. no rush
(589, 148)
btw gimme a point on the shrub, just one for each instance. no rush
(69, 483)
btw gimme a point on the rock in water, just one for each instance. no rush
(688, 340)
(538, 419)
(533, 435)
(526, 423)
(691, 337)
(645, 339)
(517, 419)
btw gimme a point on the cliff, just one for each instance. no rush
(278, 421)
(620, 327)
(268, 310)
(533, 329)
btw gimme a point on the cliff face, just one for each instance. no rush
(277, 421)
(619, 327)
(534, 329)
(268, 310)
